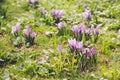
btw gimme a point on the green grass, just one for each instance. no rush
(42, 61)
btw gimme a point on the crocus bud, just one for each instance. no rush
(85, 6)
(42, 11)
(33, 35)
(75, 29)
(73, 44)
(27, 32)
(79, 46)
(53, 13)
(18, 27)
(87, 51)
(97, 30)
(119, 31)
(92, 29)
(89, 31)
(59, 25)
(93, 52)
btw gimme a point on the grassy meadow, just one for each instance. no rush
(59, 39)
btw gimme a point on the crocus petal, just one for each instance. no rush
(59, 25)
(82, 29)
(42, 11)
(75, 29)
(87, 51)
(79, 46)
(33, 35)
(73, 44)
(97, 30)
(36, 1)
(27, 31)
(53, 13)
(31, 1)
(89, 31)
(14, 30)
(87, 14)
(119, 31)
(59, 14)
(18, 27)
(93, 51)
(59, 48)
(92, 29)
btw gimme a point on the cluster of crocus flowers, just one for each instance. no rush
(57, 14)
(86, 55)
(78, 46)
(80, 30)
(95, 32)
(16, 29)
(87, 14)
(89, 52)
(28, 37)
(33, 1)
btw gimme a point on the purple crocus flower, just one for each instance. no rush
(119, 31)
(42, 11)
(59, 13)
(97, 30)
(59, 48)
(73, 44)
(31, 1)
(36, 1)
(92, 29)
(59, 25)
(89, 31)
(75, 30)
(87, 14)
(53, 13)
(79, 46)
(16, 29)
(82, 29)
(87, 51)
(27, 32)
(93, 51)
(33, 35)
